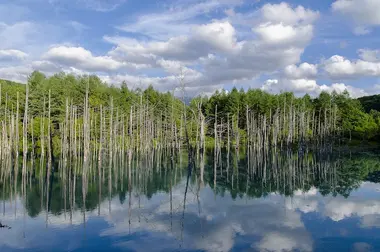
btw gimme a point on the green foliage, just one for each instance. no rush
(72, 89)
(355, 118)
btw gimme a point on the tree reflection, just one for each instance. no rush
(245, 173)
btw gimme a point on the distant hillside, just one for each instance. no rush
(8, 82)
(10, 88)
(370, 102)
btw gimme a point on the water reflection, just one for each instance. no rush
(247, 201)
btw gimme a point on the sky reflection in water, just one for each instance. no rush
(237, 210)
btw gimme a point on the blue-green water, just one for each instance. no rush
(280, 203)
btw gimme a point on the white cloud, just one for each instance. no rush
(341, 87)
(15, 73)
(12, 54)
(217, 44)
(204, 39)
(212, 54)
(46, 66)
(369, 55)
(83, 59)
(281, 24)
(299, 79)
(220, 35)
(339, 67)
(298, 86)
(363, 12)
(233, 50)
(304, 70)
(176, 20)
(275, 42)
(160, 83)
(303, 79)
(178, 69)
(193, 86)
(20, 73)
(284, 13)
(214, 49)
(274, 34)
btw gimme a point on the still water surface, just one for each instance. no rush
(283, 202)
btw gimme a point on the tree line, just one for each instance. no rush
(76, 114)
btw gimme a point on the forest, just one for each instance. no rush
(66, 113)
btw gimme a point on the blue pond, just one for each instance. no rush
(235, 202)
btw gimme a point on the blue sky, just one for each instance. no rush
(302, 46)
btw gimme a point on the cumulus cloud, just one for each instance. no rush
(165, 83)
(161, 83)
(20, 73)
(15, 73)
(303, 79)
(204, 39)
(11, 54)
(339, 67)
(341, 87)
(303, 71)
(283, 13)
(213, 49)
(83, 59)
(364, 13)
(212, 42)
(284, 25)
(298, 86)
(275, 34)
(220, 35)
(45, 66)
(303, 86)
(211, 53)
